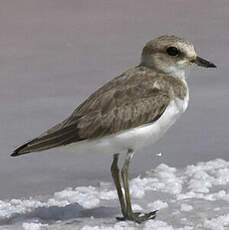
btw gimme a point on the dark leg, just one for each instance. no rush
(124, 174)
(130, 215)
(116, 178)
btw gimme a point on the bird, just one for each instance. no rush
(130, 111)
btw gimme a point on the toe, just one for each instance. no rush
(139, 217)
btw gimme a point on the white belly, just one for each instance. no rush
(134, 138)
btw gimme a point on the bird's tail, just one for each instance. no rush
(32, 146)
(23, 149)
(49, 140)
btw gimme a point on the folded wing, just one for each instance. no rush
(109, 110)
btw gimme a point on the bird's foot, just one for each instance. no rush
(138, 217)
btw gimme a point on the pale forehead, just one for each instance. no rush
(186, 48)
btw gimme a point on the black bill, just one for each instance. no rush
(202, 62)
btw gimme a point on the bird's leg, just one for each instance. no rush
(130, 215)
(116, 179)
(124, 174)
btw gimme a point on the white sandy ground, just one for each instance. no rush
(193, 198)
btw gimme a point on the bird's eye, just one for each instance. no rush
(172, 51)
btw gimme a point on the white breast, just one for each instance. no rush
(135, 138)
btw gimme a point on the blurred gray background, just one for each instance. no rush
(54, 53)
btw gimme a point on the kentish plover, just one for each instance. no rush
(132, 110)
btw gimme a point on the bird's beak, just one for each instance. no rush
(202, 62)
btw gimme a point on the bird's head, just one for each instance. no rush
(171, 55)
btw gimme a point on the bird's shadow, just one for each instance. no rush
(55, 213)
